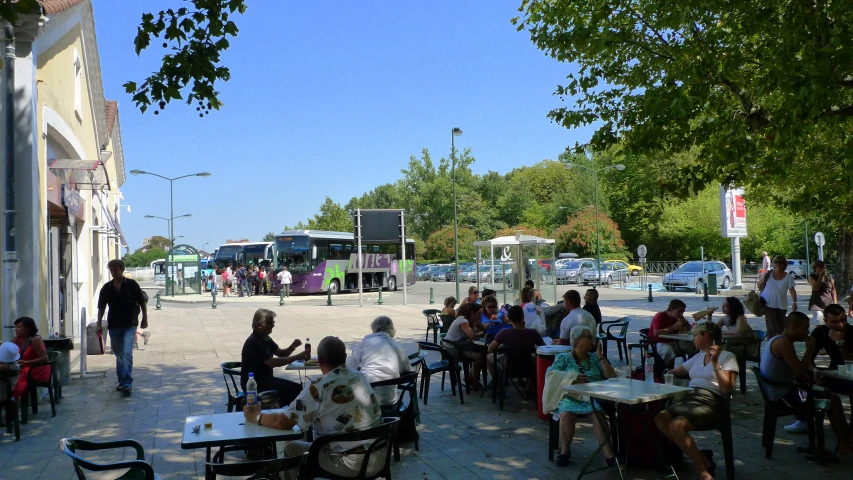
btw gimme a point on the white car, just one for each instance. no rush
(690, 274)
(797, 268)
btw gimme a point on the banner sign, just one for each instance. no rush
(732, 212)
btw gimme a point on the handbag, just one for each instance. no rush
(754, 303)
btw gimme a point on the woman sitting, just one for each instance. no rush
(591, 367)
(741, 336)
(449, 306)
(380, 357)
(461, 335)
(473, 295)
(34, 361)
(713, 374)
(516, 336)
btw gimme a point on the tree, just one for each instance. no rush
(524, 229)
(578, 235)
(440, 244)
(269, 237)
(763, 91)
(143, 258)
(159, 243)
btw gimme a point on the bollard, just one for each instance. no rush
(651, 299)
(431, 296)
(157, 307)
(281, 297)
(329, 297)
(213, 300)
(380, 296)
(705, 288)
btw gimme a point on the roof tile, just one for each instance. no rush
(57, 6)
(111, 111)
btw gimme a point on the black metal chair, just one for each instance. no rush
(519, 363)
(139, 468)
(815, 409)
(447, 364)
(433, 323)
(725, 429)
(620, 338)
(381, 437)
(32, 395)
(406, 410)
(258, 469)
(231, 374)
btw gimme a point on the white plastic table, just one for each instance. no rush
(682, 337)
(300, 367)
(230, 429)
(622, 390)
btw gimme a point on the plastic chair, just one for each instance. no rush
(433, 323)
(741, 361)
(32, 395)
(381, 436)
(620, 338)
(816, 409)
(258, 469)
(231, 374)
(725, 429)
(519, 363)
(446, 320)
(407, 411)
(139, 468)
(447, 364)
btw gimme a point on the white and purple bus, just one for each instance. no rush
(322, 261)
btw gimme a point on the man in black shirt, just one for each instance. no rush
(590, 299)
(125, 299)
(261, 354)
(835, 337)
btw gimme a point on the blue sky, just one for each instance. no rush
(328, 98)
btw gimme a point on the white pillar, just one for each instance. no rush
(736, 267)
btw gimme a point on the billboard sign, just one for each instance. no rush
(732, 212)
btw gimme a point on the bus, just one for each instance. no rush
(159, 267)
(254, 253)
(322, 261)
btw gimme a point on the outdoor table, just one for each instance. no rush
(300, 367)
(679, 337)
(626, 391)
(834, 374)
(544, 359)
(230, 429)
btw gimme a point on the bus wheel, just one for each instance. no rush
(392, 284)
(334, 287)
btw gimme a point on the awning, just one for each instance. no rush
(82, 174)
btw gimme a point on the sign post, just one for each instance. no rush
(820, 240)
(733, 223)
(641, 253)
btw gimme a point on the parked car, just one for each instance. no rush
(797, 268)
(440, 273)
(690, 274)
(571, 271)
(427, 275)
(633, 270)
(609, 272)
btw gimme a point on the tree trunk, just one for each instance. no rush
(844, 266)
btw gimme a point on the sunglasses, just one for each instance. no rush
(475, 291)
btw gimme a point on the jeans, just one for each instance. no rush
(121, 340)
(286, 288)
(244, 284)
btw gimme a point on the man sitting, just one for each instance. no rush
(261, 354)
(341, 401)
(835, 337)
(670, 321)
(576, 316)
(590, 299)
(380, 357)
(517, 336)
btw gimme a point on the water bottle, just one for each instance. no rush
(251, 390)
(308, 346)
(650, 368)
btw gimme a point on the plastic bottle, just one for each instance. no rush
(650, 367)
(251, 390)
(308, 346)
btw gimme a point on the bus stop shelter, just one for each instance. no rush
(513, 253)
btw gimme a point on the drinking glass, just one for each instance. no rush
(207, 417)
(669, 378)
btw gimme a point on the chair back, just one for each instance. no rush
(625, 322)
(760, 335)
(406, 382)
(381, 439)
(520, 361)
(446, 320)
(434, 347)
(764, 382)
(259, 469)
(231, 374)
(431, 315)
(644, 334)
(69, 446)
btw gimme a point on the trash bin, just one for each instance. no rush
(63, 345)
(712, 284)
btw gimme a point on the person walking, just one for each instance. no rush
(285, 279)
(125, 299)
(765, 263)
(242, 280)
(226, 282)
(774, 286)
(823, 291)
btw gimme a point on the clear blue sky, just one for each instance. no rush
(328, 98)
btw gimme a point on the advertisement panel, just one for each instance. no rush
(732, 212)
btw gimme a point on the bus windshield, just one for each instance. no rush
(293, 252)
(228, 252)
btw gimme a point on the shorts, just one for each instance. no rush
(701, 407)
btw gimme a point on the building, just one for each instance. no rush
(66, 139)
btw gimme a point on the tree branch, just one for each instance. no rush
(842, 111)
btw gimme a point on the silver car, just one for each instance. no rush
(609, 272)
(690, 274)
(572, 271)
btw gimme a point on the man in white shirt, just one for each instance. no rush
(285, 278)
(576, 316)
(380, 357)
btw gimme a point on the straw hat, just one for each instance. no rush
(9, 352)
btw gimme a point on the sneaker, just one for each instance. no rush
(119, 388)
(798, 427)
(126, 391)
(145, 336)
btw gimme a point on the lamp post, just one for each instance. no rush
(453, 134)
(618, 167)
(169, 222)
(171, 198)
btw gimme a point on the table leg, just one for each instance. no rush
(208, 472)
(606, 427)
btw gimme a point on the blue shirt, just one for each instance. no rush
(486, 320)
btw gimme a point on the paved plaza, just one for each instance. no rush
(178, 374)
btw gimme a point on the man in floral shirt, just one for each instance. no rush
(341, 401)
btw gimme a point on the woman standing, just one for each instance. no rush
(823, 291)
(33, 362)
(774, 287)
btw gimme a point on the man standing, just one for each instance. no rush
(765, 263)
(261, 354)
(243, 278)
(341, 401)
(125, 299)
(285, 278)
(576, 316)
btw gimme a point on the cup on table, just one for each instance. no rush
(668, 378)
(849, 365)
(207, 418)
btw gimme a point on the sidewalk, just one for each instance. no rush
(177, 374)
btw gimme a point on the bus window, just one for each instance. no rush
(336, 251)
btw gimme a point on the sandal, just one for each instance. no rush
(563, 459)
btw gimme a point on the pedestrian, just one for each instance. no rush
(765, 263)
(285, 278)
(226, 281)
(211, 279)
(773, 286)
(125, 299)
(242, 281)
(823, 291)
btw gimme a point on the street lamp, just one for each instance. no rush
(453, 134)
(169, 222)
(171, 197)
(618, 167)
